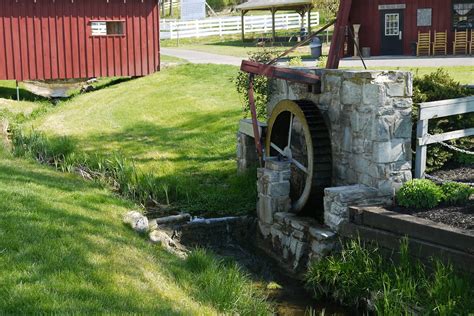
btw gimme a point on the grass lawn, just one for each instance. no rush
(231, 46)
(180, 124)
(64, 249)
(462, 74)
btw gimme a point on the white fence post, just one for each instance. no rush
(438, 109)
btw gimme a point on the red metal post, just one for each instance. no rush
(253, 111)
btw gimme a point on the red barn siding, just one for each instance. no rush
(47, 40)
(366, 13)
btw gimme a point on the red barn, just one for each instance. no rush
(390, 27)
(77, 39)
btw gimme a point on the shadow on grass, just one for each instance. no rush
(64, 249)
(49, 244)
(201, 150)
(9, 92)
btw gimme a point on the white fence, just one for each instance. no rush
(170, 29)
(437, 109)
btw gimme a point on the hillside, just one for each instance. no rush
(179, 124)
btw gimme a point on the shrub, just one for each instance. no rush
(295, 62)
(261, 85)
(419, 193)
(456, 193)
(440, 86)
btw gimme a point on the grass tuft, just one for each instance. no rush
(224, 282)
(359, 274)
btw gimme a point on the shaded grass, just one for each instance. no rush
(179, 124)
(63, 249)
(359, 274)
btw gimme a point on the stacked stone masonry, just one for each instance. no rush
(246, 152)
(368, 114)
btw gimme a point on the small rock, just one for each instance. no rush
(137, 221)
(163, 239)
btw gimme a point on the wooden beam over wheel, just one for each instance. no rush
(337, 42)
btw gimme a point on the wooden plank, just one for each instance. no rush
(279, 72)
(415, 227)
(431, 139)
(420, 161)
(445, 108)
(421, 249)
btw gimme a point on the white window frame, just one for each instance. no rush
(99, 27)
(392, 30)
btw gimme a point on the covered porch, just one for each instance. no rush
(300, 6)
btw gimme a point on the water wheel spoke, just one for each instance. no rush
(299, 165)
(290, 130)
(280, 151)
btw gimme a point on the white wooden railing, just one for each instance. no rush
(172, 29)
(437, 109)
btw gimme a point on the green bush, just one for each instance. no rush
(440, 86)
(419, 193)
(456, 193)
(359, 274)
(295, 62)
(261, 85)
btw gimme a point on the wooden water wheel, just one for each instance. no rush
(297, 132)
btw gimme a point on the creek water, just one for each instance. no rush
(287, 294)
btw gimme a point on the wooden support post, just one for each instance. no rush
(273, 24)
(309, 20)
(243, 24)
(421, 150)
(337, 42)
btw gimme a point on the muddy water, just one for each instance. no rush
(287, 294)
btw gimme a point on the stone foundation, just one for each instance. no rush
(368, 114)
(247, 157)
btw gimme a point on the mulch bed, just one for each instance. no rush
(456, 173)
(455, 216)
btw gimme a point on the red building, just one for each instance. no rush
(76, 39)
(390, 27)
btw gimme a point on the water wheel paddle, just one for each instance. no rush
(297, 131)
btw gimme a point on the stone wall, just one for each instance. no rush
(369, 116)
(246, 152)
(290, 239)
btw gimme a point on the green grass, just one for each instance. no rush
(63, 249)
(403, 287)
(179, 124)
(462, 74)
(171, 59)
(231, 45)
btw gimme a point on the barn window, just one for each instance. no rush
(108, 28)
(463, 14)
